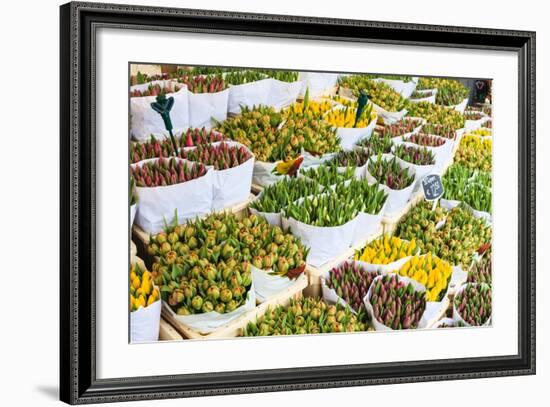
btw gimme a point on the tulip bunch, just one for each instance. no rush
(423, 139)
(346, 117)
(205, 265)
(307, 315)
(155, 90)
(483, 178)
(311, 108)
(273, 136)
(141, 78)
(371, 198)
(385, 250)
(437, 114)
(481, 271)
(475, 153)
(395, 303)
(195, 136)
(277, 196)
(473, 115)
(430, 83)
(351, 282)
(482, 132)
(203, 84)
(316, 136)
(221, 156)
(421, 95)
(415, 155)
(449, 91)
(378, 92)
(142, 290)
(389, 173)
(473, 303)
(353, 158)
(158, 148)
(164, 172)
(283, 76)
(452, 94)
(455, 181)
(462, 184)
(478, 197)
(152, 148)
(455, 241)
(377, 143)
(328, 174)
(203, 70)
(404, 78)
(440, 130)
(242, 77)
(431, 272)
(401, 128)
(324, 210)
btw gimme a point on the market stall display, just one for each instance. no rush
(273, 212)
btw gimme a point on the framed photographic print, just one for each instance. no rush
(257, 202)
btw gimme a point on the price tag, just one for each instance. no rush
(432, 187)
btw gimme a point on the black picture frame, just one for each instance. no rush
(78, 382)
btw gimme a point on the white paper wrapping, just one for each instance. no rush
(318, 83)
(442, 154)
(404, 88)
(420, 170)
(266, 285)
(249, 95)
(349, 136)
(283, 94)
(389, 117)
(325, 243)
(429, 99)
(272, 218)
(210, 321)
(461, 106)
(133, 209)
(470, 125)
(190, 199)
(367, 225)
(144, 323)
(203, 107)
(144, 121)
(232, 186)
(263, 175)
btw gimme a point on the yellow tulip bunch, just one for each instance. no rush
(345, 101)
(314, 109)
(142, 291)
(470, 141)
(430, 271)
(386, 250)
(483, 132)
(346, 117)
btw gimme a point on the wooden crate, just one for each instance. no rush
(315, 273)
(167, 332)
(235, 327)
(141, 237)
